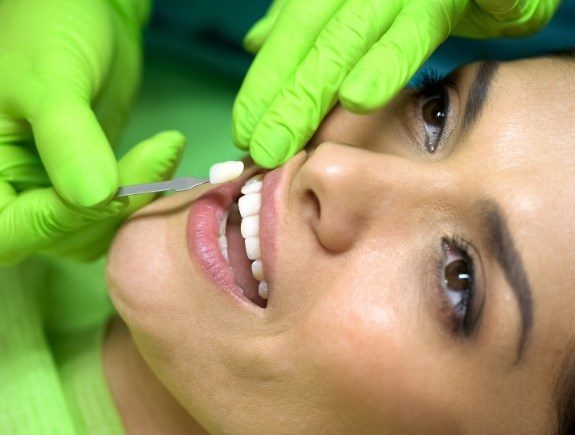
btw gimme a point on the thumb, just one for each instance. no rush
(154, 159)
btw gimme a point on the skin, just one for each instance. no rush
(356, 338)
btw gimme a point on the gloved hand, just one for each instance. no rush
(68, 73)
(35, 218)
(360, 51)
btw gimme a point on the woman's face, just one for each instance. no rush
(419, 262)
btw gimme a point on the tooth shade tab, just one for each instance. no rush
(225, 171)
(250, 204)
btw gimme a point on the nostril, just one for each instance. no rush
(315, 206)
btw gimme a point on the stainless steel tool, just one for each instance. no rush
(177, 185)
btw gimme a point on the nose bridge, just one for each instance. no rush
(356, 188)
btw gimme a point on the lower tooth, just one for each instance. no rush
(263, 290)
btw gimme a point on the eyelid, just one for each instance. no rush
(415, 125)
(445, 307)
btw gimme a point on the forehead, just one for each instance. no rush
(525, 143)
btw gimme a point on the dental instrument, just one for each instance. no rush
(219, 173)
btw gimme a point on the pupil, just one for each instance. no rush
(457, 276)
(434, 112)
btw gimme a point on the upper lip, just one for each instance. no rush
(274, 195)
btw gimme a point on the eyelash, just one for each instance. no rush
(431, 84)
(462, 317)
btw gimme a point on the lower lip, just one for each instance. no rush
(203, 226)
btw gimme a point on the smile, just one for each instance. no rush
(224, 237)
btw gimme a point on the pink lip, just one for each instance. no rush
(275, 188)
(205, 216)
(203, 227)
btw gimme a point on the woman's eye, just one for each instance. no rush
(434, 111)
(458, 284)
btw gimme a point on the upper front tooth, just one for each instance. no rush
(253, 185)
(251, 226)
(258, 270)
(250, 204)
(253, 248)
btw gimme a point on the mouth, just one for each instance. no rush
(224, 238)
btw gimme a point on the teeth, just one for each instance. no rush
(253, 248)
(258, 270)
(223, 224)
(253, 185)
(251, 226)
(263, 290)
(250, 204)
(249, 207)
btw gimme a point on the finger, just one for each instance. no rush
(497, 7)
(33, 219)
(313, 90)
(116, 97)
(152, 160)
(21, 167)
(393, 60)
(490, 18)
(75, 151)
(260, 31)
(292, 37)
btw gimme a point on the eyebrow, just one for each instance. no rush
(478, 94)
(502, 247)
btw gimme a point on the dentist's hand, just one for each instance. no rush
(33, 217)
(68, 72)
(360, 51)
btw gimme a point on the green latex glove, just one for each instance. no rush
(360, 51)
(35, 218)
(68, 73)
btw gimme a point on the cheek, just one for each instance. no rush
(146, 267)
(364, 344)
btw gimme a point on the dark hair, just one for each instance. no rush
(565, 394)
(565, 383)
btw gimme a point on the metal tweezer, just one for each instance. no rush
(177, 184)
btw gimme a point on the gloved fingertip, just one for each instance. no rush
(497, 7)
(256, 36)
(359, 96)
(236, 138)
(87, 183)
(269, 156)
(174, 138)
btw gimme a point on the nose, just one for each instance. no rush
(355, 191)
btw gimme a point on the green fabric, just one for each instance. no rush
(188, 97)
(52, 381)
(53, 311)
(68, 73)
(312, 53)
